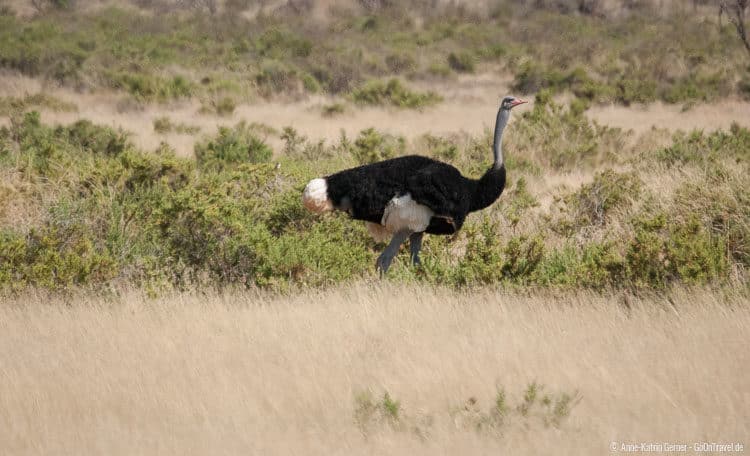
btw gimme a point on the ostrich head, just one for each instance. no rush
(510, 102)
(503, 114)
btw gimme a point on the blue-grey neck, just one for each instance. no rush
(497, 148)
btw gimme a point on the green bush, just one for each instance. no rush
(225, 106)
(698, 148)
(208, 227)
(482, 262)
(278, 43)
(440, 148)
(95, 138)
(333, 109)
(722, 203)
(592, 203)
(54, 257)
(394, 93)
(275, 77)
(164, 125)
(372, 146)
(400, 62)
(152, 88)
(636, 88)
(232, 146)
(462, 62)
(687, 251)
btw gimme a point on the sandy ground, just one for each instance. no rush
(470, 105)
(253, 374)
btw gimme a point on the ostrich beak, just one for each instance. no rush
(517, 102)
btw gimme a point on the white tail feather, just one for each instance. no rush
(315, 196)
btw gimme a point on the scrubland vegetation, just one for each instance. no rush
(156, 300)
(163, 51)
(82, 206)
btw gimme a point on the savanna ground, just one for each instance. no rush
(250, 373)
(164, 292)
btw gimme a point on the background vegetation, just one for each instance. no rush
(159, 51)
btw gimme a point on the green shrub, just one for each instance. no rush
(532, 77)
(54, 257)
(698, 256)
(333, 109)
(698, 87)
(635, 89)
(684, 250)
(699, 148)
(372, 146)
(208, 227)
(331, 251)
(95, 138)
(152, 88)
(309, 83)
(394, 93)
(232, 146)
(439, 70)
(594, 265)
(462, 62)
(275, 77)
(440, 148)
(400, 62)
(482, 261)
(592, 203)
(722, 203)
(164, 124)
(277, 43)
(225, 106)
(521, 258)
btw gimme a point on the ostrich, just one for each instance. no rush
(406, 197)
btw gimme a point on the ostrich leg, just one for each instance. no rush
(385, 258)
(415, 245)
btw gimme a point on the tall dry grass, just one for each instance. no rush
(245, 373)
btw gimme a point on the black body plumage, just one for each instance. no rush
(365, 191)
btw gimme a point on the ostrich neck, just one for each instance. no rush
(497, 147)
(491, 185)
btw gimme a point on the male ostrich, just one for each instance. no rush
(408, 196)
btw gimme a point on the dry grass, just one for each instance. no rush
(245, 373)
